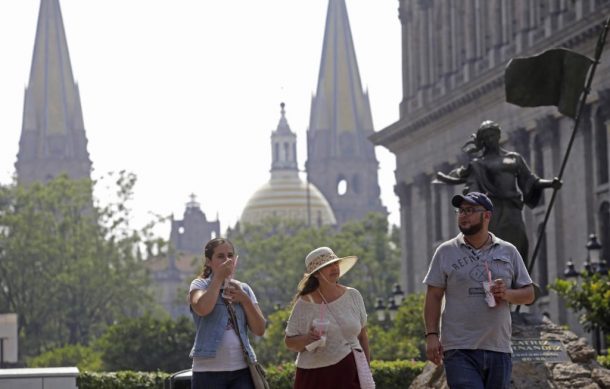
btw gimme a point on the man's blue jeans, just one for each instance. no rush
(238, 379)
(477, 369)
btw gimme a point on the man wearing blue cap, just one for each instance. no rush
(472, 338)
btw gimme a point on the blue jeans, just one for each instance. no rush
(477, 369)
(238, 379)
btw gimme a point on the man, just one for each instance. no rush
(473, 340)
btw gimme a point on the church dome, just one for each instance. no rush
(285, 196)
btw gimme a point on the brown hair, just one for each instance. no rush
(306, 287)
(208, 252)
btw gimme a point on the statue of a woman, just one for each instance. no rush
(505, 177)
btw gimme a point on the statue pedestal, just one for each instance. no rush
(545, 356)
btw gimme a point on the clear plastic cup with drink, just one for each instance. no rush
(320, 326)
(489, 297)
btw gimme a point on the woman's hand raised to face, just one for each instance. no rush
(226, 268)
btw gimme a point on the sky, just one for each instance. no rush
(185, 93)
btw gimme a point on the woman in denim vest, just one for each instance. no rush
(218, 358)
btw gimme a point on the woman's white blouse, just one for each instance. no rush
(347, 316)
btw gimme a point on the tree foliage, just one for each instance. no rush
(272, 256)
(147, 344)
(403, 337)
(590, 297)
(270, 349)
(68, 266)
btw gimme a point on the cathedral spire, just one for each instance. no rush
(340, 104)
(341, 160)
(53, 139)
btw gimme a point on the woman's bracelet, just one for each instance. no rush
(430, 333)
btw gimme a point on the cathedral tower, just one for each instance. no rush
(341, 160)
(53, 139)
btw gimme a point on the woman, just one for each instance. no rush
(218, 358)
(327, 362)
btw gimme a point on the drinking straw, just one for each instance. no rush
(488, 272)
(234, 266)
(322, 309)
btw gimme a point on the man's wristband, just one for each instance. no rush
(430, 333)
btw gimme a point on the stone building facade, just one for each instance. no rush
(454, 55)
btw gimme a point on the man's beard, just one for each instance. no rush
(473, 229)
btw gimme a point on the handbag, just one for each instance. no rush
(365, 376)
(259, 376)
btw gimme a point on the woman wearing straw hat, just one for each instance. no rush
(327, 327)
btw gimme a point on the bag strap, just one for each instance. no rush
(233, 319)
(335, 316)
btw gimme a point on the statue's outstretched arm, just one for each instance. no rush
(454, 177)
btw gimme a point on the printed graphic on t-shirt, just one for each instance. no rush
(472, 268)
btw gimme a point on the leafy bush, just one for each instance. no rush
(270, 349)
(83, 357)
(121, 379)
(591, 298)
(395, 374)
(402, 339)
(147, 344)
(604, 360)
(387, 374)
(281, 376)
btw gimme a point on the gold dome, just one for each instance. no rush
(285, 196)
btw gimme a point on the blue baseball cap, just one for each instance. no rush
(474, 198)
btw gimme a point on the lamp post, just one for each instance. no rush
(593, 264)
(388, 312)
(398, 294)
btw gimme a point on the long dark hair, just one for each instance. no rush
(305, 288)
(208, 252)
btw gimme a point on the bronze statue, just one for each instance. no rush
(505, 177)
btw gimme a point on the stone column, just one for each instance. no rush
(403, 191)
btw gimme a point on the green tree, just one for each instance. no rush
(590, 297)
(147, 344)
(68, 265)
(272, 256)
(403, 339)
(83, 357)
(270, 349)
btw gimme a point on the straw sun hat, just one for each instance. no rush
(324, 256)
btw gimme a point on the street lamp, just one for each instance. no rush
(593, 264)
(390, 310)
(380, 310)
(398, 294)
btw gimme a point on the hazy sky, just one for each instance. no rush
(185, 93)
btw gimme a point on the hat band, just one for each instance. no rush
(320, 260)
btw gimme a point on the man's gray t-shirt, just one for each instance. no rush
(467, 322)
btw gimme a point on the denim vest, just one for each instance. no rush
(210, 328)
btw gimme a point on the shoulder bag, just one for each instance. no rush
(259, 377)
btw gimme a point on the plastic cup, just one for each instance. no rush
(489, 297)
(225, 288)
(321, 326)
